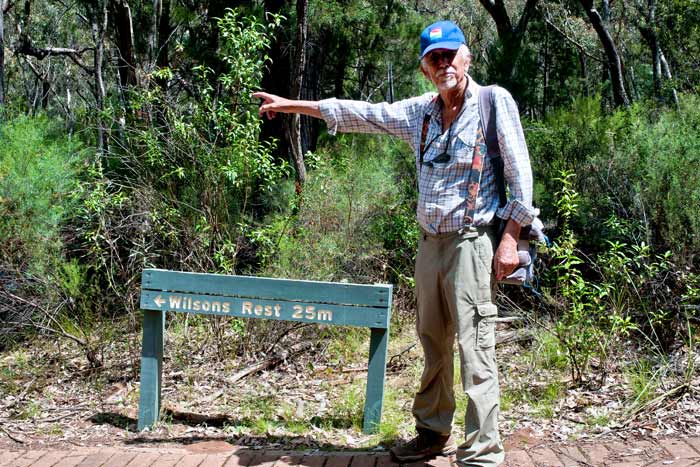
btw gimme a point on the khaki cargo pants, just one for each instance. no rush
(455, 292)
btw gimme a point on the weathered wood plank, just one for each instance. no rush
(376, 374)
(151, 368)
(267, 288)
(338, 315)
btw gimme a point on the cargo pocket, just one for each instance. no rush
(486, 326)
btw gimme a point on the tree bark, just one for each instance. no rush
(98, 25)
(510, 38)
(124, 31)
(614, 63)
(584, 71)
(545, 73)
(650, 38)
(293, 120)
(153, 33)
(276, 81)
(660, 68)
(341, 68)
(666, 70)
(311, 90)
(2, 53)
(163, 51)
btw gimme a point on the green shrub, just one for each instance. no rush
(181, 186)
(341, 230)
(670, 182)
(600, 298)
(39, 169)
(638, 166)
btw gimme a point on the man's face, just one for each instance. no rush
(445, 68)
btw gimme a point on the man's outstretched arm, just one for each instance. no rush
(273, 104)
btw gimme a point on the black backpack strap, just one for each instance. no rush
(487, 114)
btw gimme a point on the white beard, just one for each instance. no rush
(446, 83)
(446, 80)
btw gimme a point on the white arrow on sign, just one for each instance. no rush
(159, 301)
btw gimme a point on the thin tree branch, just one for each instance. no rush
(51, 318)
(573, 41)
(77, 13)
(11, 436)
(26, 48)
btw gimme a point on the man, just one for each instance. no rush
(456, 264)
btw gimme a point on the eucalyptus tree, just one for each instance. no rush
(4, 6)
(510, 41)
(614, 62)
(293, 122)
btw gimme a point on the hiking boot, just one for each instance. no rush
(426, 444)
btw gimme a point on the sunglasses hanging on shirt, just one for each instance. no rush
(442, 158)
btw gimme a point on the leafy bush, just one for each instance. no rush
(39, 169)
(670, 184)
(642, 169)
(186, 178)
(39, 175)
(356, 223)
(334, 235)
(636, 175)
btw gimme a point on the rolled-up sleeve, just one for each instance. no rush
(516, 160)
(398, 119)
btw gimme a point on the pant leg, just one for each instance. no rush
(469, 294)
(434, 403)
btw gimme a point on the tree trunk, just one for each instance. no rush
(276, 81)
(545, 73)
(153, 33)
(633, 84)
(510, 38)
(614, 63)
(2, 54)
(666, 70)
(650, 38)
(584, 71)
(293, 120)
(311, 90)
(660, 68)
(124, 30)
(98, 24)
(341, 68)
(390, 79)
(45, 89)
(163, 51)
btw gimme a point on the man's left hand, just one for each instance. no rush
(506, 258)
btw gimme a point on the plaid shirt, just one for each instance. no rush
(443, 186)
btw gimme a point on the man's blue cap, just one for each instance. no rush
(441, 35)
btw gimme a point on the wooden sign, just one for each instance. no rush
(329, 303)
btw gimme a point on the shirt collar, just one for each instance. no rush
(472, 88)
(435, 109)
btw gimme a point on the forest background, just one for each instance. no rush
(128, 139)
